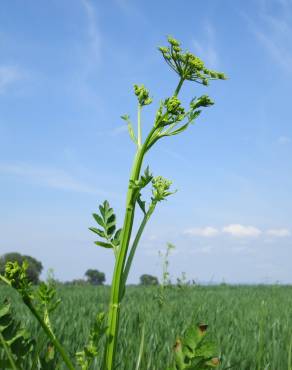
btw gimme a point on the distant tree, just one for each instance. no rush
(148, 280)
(95, 277)
(34, 269)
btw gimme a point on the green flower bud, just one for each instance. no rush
(160, 187)
(221, 76)
(202, 101)
(173, 41)
(163, 49)
(142, 94)
(177, 49)
(17, 277)
(173, 106)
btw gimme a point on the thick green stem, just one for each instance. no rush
(8, 352)
(117, 287)
(50, 334)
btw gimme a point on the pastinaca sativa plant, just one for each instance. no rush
(171, 119)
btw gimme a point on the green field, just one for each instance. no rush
(251, 324)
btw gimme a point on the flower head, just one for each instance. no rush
(142, 94)
(187, 65)
(160, 188)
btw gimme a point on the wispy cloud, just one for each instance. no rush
(279, 233)
(92, 29)
(207, 231)
(8, 76)
(273, 30)
(205, 48)
(49, 177)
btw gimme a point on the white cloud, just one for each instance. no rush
(206, 48)
(8, 76)
(279, 233)
(50, 177)
(238, 230)
(207, 231)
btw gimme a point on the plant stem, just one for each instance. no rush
(50, 334)
(117, 287)
(181, 81)
(8, 352)
(136, 241)
(139, 133)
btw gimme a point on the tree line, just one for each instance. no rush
(35, 268)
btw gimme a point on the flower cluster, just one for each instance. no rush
(188, 66)
(142, 94)
(169, 112)
(16, 275)
(160, 188)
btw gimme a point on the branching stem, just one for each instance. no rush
(117, 287)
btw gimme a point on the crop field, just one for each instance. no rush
(251, 324)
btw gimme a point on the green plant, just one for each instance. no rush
(165, 279)
(15, 340)
(171, 119)
(193, 351)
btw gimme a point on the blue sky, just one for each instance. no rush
(66, 74)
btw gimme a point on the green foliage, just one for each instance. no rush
(250, 335)
(92, 350)
(95, 277)
(40, 304)
(107, 220)
(34, 267)
(148, 280)
(193, 352)
(14, 339)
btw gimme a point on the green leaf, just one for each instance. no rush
(193, 337)
(97, 231)
(99, 220)
(179, 130)
(141, 203)
(146, 178)
(104, 245)
(107, 220)
(130, 128)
